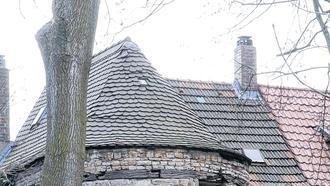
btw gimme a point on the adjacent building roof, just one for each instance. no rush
(302, 116)
(129, 104)
(243, 124)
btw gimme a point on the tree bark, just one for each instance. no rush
(66, 44)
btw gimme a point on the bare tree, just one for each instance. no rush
(66, 44)
(314, 11)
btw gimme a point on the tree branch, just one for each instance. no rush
(290, 69)
(266, 3)
(20, 9)
(323, 26)
(158, 7)
(296, 49)
(43, 39)
(153, 11)
(298, 40)
(290, 73)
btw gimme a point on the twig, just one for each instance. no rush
(290, 73)
(108, 11)
(299, 39)
(20, 9)
(296, 49)
(155, 10)
(247, 16)
(323, 26)
(289, 67)
(270, 3)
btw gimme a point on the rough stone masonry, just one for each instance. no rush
(151, 167)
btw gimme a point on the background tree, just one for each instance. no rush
(312, 33)
(66, 44)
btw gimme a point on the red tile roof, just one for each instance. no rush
(299, 112)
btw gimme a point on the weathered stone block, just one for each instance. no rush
(150, 154)
(147, 162)
(144, 163)
(117, 155)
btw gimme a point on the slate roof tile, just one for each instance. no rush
(243, 124)
(122, 111)
(166, 112)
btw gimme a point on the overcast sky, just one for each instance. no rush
(186, 39)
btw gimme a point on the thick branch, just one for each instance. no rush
(322, 24)
(43, 39)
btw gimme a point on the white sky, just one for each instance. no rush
(187, 39)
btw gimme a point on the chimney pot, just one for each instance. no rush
(244, 40)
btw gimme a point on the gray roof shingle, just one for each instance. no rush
(243, 124)
(165, 112)
(124, 112)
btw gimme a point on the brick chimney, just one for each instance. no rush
(4, 102)
(245, 64)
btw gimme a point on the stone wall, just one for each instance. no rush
(158, 166)
(144, 182)
(30, 176)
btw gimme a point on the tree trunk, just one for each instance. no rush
(66, 44)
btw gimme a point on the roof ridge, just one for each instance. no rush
(126, 43)
(227, 83)
(120, 42)
(290, 88)
(197, 81)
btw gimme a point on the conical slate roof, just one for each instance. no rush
(128, 104)
(136, 106)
